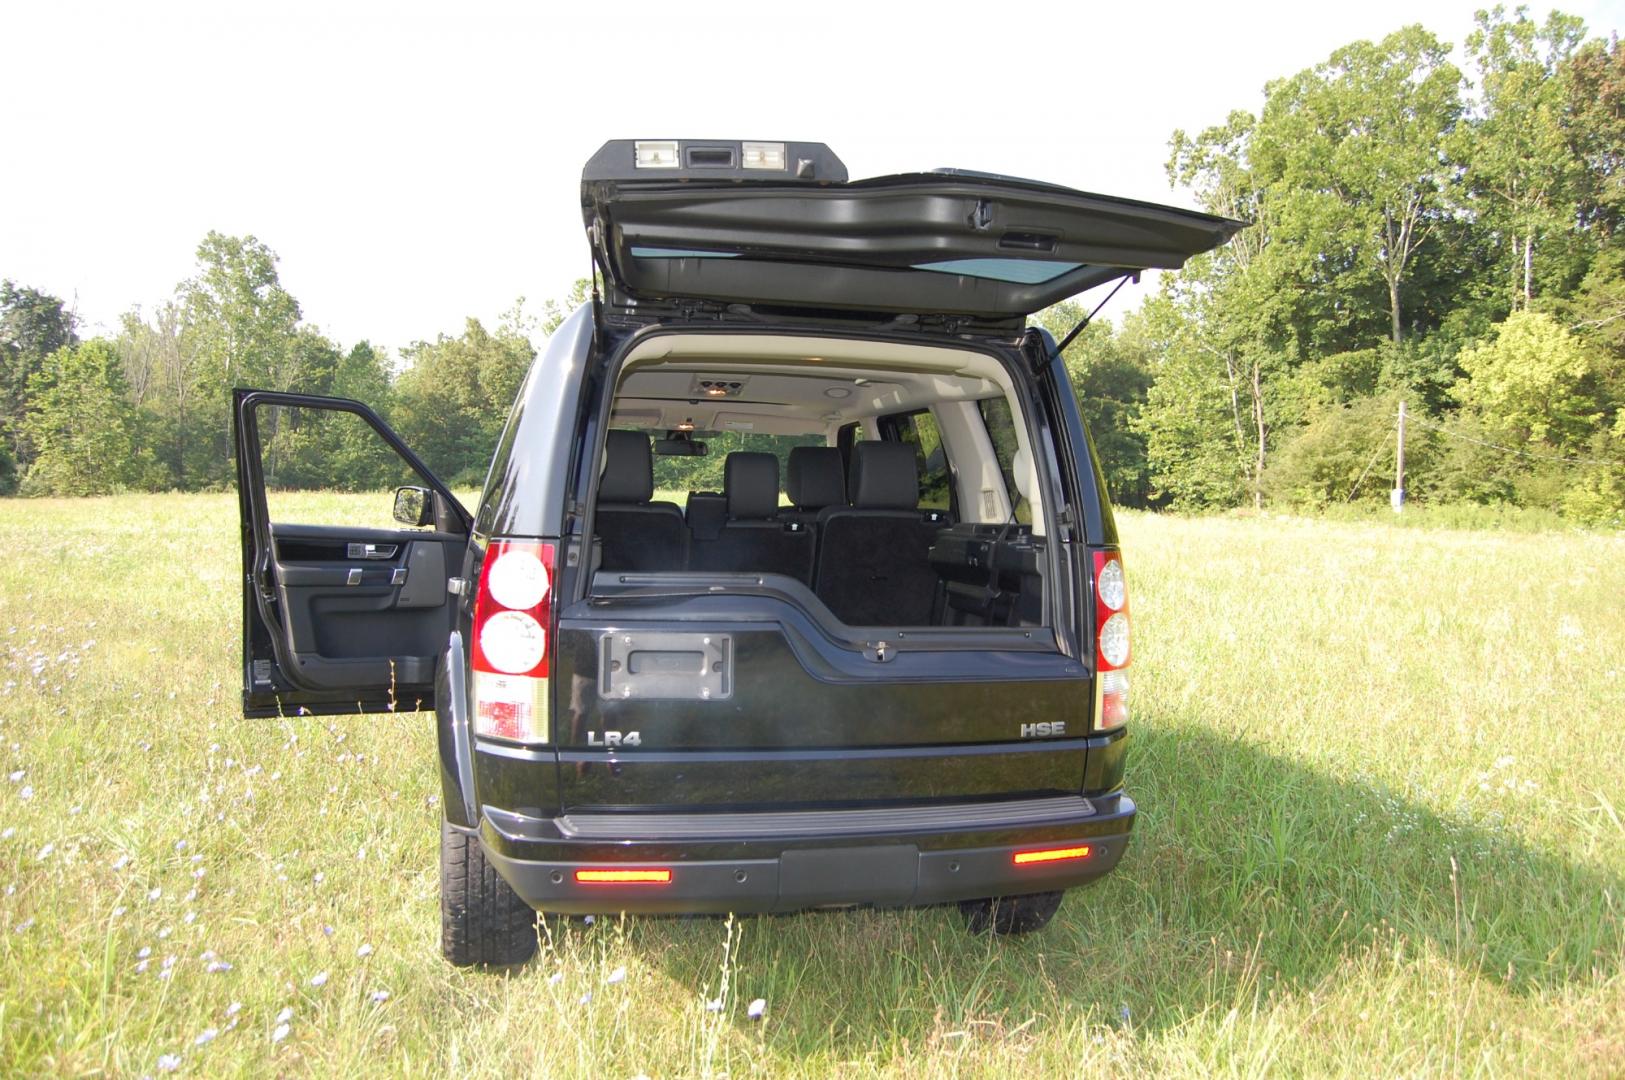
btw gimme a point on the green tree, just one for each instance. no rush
(1595, 121)
(454, 396)
(163, 373)
(1345, 453)
(82, 425)
(1517, 154)
(1528, 383)
(1197, 444)
(1110, 374)
(1352, 152)
(33, 326)
(554, 312)
(239, 327)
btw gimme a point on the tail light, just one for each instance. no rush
(511, 648)
(1111, 641)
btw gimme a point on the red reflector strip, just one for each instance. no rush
(624, 877)
(1024, 858)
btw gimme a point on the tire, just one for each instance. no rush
(1010, 914)
(482, 920)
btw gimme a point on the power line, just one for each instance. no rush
(1381, 446)
(1513, 449)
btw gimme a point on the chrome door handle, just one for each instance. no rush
(370, 551)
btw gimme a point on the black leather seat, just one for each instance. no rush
(706, 512)
(637, 534)
(874, 565)
(755, 538)
(815, 478)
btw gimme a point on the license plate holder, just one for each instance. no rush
(665, 666)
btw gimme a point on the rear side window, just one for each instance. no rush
(1001, 430)
(919, 429)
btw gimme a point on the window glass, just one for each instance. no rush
(676, 474)
(328, 467)
(1001, 430)
(1017, 271)
(919, 429)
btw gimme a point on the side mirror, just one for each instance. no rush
(414, 506)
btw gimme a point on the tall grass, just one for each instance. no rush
(1381, 775)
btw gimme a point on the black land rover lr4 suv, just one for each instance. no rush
(886, 663)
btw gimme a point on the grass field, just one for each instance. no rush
(1381, 774)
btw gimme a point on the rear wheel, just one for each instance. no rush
(1010, 914)
(482, 920)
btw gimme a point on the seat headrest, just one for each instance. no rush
(885, 476)
(629, 472)
(751, 482)
(815, 477)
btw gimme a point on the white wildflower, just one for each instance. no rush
(378, 997)
(280, 1033)
(285, 1015)
(206, 1036)
(618, 975)
(319, 979)
(756, 1008)
(169, 1062)
(364, 952)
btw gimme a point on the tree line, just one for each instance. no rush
(1421, 233)
(148, 408)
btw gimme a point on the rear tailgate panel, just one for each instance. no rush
(807, 722)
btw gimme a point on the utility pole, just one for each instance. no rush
(1396, 498)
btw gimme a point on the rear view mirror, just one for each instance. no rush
(414, 506)
(679, 448)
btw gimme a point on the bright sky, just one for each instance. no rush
(416, 163)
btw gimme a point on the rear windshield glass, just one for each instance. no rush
(1018, 271)
(677, 474)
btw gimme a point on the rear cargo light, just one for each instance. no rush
(1049, 855)
(624, 876)
(512, 616)
(1112, 652)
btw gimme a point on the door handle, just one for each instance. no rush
(370, 551)
(357, 576)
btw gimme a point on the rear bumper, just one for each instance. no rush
(773, 862)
